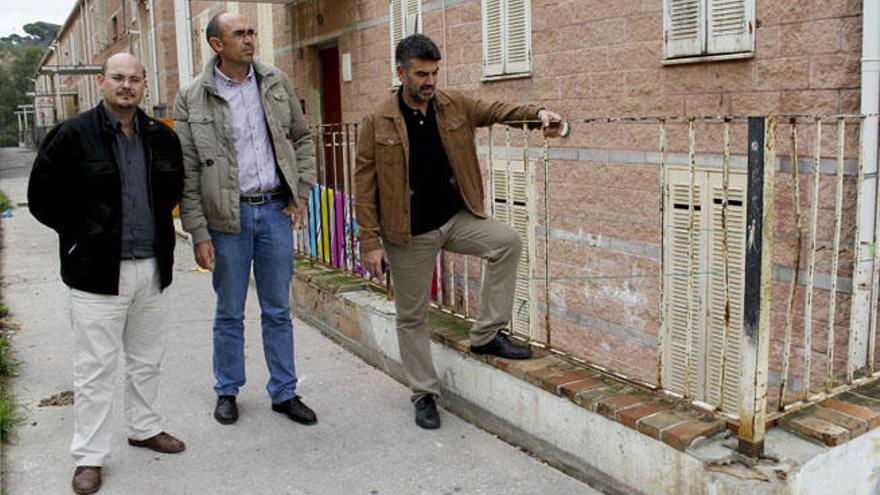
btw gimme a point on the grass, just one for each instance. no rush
(5, 203)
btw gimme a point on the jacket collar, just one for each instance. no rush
(145, 123)
(261, 71)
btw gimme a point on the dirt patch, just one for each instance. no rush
(60, 399)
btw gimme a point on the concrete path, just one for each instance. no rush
(365, 441)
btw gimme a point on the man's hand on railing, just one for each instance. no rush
(374, 261)
(553, 124)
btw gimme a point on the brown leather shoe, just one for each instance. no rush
(86, 479)
(163, 442)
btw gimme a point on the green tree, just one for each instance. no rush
(19, 57)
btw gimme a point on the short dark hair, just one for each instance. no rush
(213, 29)
(416, 46)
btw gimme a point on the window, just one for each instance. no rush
(510, 203)
(406, 19)
(695, 350)
(114, 28)
(507, 37)
(718, 29)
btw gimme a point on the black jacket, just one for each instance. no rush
(75, 189)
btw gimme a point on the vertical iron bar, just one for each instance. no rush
(835, 251)
(725, 246)
(663, 300)
(795, 269)
(758, 282)
(858, 275)
(811, 253)
(692, 257)
(545, 158)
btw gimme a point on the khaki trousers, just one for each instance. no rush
(412, 266)
(133, 324)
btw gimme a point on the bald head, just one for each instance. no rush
(123, 58)
(122, 82)
(233, 39)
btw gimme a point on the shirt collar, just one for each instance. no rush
(117, 125)
(220, 76)
(409, 112)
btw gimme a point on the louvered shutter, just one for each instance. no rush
(405, 18)
(396, 26)
(730, 26)
(413, 17)
(266, 40)
(683, 285)
(735, 226)
(493, 37)
(510, 183)
(684, 27)
(517, 37)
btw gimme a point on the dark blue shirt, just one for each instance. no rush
(138, 226)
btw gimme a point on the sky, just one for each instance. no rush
(16, 13)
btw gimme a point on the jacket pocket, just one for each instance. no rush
(204, 135)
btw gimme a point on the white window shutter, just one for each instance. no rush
(511, 186)
(718, 352)
(683, 334)
(683, 27)
(413, 17)
(730, 26)
(493, 37)
(396, 27)
(518, 37)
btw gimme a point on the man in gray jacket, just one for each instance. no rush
(249, 162)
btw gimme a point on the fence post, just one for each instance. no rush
(758, 280)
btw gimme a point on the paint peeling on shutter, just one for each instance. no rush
(493, 37)
(518, 34)
(730, 26)
(736, 223)
(513, 207)
(679, 326)
(684, 28)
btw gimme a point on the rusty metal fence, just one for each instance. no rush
(756, 250)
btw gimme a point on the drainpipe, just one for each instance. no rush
(153, 54)
(861, 317)
(183, 27)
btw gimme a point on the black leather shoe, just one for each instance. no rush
(226, 412)
(296, 410)
(501, 346)
(426, 413)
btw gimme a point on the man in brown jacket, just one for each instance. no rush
(419, 190)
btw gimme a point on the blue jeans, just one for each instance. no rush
(266, 241)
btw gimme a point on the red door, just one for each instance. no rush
(331, 114)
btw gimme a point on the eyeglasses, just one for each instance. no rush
(133, 80)
(241, 33)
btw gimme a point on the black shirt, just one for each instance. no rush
(434, 195)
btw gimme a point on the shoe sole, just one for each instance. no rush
(225, 421)
(134, 443)
(296, 420)
(482, 353)
(428, 427)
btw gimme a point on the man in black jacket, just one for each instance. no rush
(107, 181)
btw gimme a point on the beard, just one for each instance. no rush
(416, 92)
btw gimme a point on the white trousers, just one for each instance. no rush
(134, 324)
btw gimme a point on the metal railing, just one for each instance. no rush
(755, 229)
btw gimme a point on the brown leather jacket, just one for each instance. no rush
(381, 174)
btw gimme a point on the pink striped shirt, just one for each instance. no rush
(250, 135)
